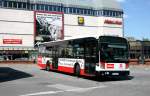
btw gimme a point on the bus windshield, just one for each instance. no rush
(114, 52)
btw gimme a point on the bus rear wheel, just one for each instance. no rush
(47, 66)
(77, 70)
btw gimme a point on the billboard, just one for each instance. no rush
(49, 26)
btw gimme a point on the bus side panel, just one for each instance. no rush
(66, 69)
(70, 70)
(67, 65)
(82, 72)
(42, 62)
(42, 66)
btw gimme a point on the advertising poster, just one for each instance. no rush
(48, 26)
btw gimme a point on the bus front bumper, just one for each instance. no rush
(112, 73)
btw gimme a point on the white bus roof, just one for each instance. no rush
(51, 43)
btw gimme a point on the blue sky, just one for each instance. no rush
(137, 18)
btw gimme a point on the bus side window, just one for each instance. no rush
(62, 53)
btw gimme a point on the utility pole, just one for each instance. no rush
(142, 53)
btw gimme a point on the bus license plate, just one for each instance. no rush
(115, 73)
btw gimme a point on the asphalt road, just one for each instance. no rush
(28, 80)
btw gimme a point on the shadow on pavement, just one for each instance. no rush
(110, 78)
(99, 79)
(9, 74)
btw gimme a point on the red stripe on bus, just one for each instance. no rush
(42, 66)
(66, 69)
(63, 69)
(69, 70)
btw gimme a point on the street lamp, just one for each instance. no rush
(141, 58)
(142, 52)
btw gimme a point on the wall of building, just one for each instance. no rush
(16, 28)
(139, 52)
(112, 26)
(93, 26)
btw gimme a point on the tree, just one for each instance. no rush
(146, 39)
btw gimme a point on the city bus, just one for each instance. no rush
(88, 56)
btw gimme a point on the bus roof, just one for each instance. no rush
(52, 43)
(85, 39)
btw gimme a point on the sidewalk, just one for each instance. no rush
(140, 66)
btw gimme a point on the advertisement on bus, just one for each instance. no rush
(49, 26)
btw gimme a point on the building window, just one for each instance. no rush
(70, 10)
(42, 7)
(5, 4)
(54, 8)
(10, 4)
(38, 7)
(46, 7)
(78, 11)
(24, 6)
(60, 8)
(49, 8)
(0, 3)
(66, 10)
(32, 7)
(19, 5)
(99, 13)
(74, 10)
(114, 14)
(81, 11)
(15, 4)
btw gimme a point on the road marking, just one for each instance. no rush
(42, 93)
(69, 90)
(85, 89)
(62, 86)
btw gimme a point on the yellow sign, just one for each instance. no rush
(81, 20)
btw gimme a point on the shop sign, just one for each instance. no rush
(12, 41)
(116, 22)
(81, 20)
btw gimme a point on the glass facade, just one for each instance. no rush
(59, 8)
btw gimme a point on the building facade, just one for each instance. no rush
(140, 52)
(26, 23)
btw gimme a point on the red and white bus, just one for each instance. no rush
(87, 56)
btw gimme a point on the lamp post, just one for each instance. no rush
(142, 52)
(141, 58)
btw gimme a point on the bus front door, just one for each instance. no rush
(89, 66)
(55, 60)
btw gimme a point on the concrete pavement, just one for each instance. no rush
(29, 80)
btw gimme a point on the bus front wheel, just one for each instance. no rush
(77, 70)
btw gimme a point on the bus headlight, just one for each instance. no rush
(102, 65)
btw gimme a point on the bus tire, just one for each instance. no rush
(47, 66)
(77, 70)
